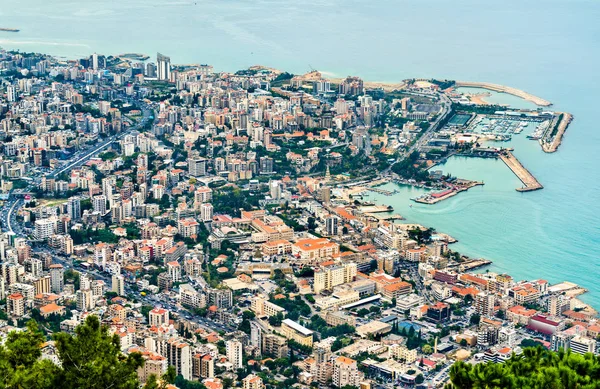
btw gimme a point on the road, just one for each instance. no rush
(7, 215)
(80, 161)
(429, 133)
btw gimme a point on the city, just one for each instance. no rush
(219, 224)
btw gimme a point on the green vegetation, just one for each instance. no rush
(535, 368)
(483, 109)
(555, 128)
(296, 307)
(409, 168)
(89, 359)
(91, 235)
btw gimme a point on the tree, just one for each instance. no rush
(92, 359)
(535, 368)
(475, 319)
(19, 363)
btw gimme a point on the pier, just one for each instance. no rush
(553, 140)
(529, 181)
(505, 89)
(383, 191)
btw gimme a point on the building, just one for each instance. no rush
(234, 353)
(314, 250)
(275, 345)
(345, 372)
(207, 367)
(118, 284)
(163, 67)
(263, 307)
(45, 228)
(252, 382)
(85, 300)
(154, 364)
(15, 305)
(197, 167)
(206, 212)
(174, 271)
(438, 312)
(331, 274)
(484, 304)
(331, 225)
(158, 317)
(582, 345)
(179, 356)
(292, 330)
(74, 208)
(57, 278)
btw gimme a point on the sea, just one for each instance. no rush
(546, 47)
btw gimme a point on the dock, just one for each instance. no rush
(383, 191)
(505, 89)
(529, 181)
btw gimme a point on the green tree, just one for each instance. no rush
(535, 368)
(92, 358)
(20, 366)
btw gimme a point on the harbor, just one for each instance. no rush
(529, 181)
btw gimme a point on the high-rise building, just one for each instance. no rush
(207, 366)
(206, 212)
(74, 208)
(179, 355)
(11, 93)
(118, 284)
(99, 204)
(275, 190)
(163, 65)
(331, 224)
(57, 276)
(266, 165)
(484, 304)
(94, 61)
(84, 300)
(234, 353)
(197, 166)
(345, 372)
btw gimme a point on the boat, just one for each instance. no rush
(9, 29)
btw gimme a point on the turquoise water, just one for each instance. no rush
(549, 48)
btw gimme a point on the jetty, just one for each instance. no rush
(529, 181)
(556, 133)
(383, 191)
(505, 89)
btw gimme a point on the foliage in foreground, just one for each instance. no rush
(535, 368)
(91, 358)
